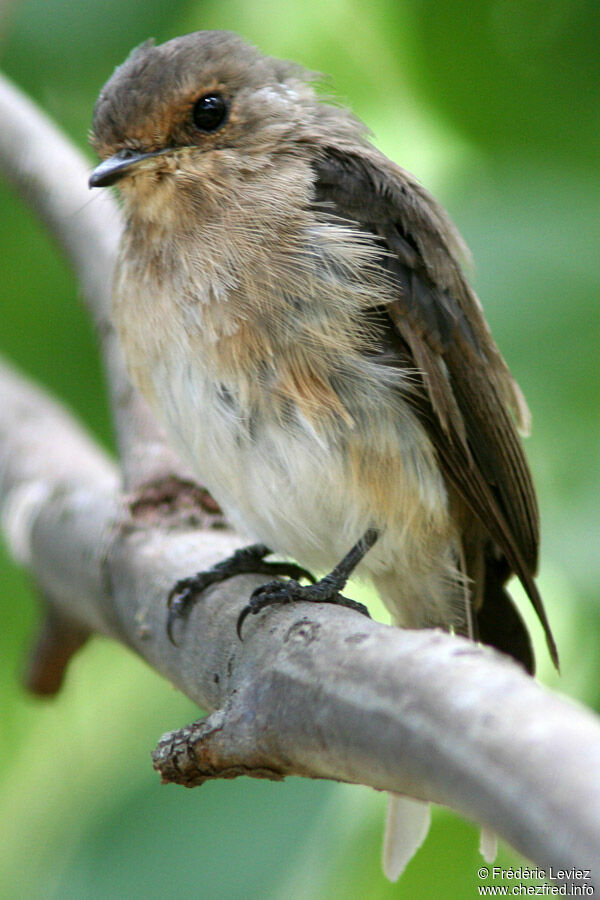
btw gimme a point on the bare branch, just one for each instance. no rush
(52, 175)
(312, 690)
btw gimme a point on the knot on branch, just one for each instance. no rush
(176, 497)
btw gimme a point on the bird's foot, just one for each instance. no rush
(247, 560)
(327, 590)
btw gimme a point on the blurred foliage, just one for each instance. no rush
(535, 68)
(495, 107)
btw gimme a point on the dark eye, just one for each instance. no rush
(209, 112)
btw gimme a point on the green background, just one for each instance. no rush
(495, 107)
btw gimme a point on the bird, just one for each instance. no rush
(294, 307)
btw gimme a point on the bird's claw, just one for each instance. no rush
(246, 560)
(274, 592)
(182, 597)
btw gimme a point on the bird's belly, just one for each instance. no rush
(280, 485)
(293, 486)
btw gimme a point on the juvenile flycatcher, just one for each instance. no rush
(292, 305)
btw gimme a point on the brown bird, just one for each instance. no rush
(292, 305)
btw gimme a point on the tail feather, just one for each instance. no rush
(499, 622)
(488, 845)
(406, 827)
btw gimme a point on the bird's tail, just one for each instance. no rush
(406, 827)
(407, 821)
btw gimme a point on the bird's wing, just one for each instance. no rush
(469, 402)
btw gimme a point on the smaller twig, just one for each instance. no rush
(58, 639)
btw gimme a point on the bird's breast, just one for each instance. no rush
(266, 389)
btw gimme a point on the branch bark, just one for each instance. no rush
(312, 690)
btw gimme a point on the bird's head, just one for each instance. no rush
(193, 109)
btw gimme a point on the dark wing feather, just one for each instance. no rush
(469, 394)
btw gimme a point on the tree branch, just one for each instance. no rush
(312, 690)
(52, 175)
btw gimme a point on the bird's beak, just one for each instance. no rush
(116, 167)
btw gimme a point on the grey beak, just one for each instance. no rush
(116, 167)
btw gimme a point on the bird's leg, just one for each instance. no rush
(186, 592)
(327, 590)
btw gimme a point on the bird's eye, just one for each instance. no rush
(210, 112)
